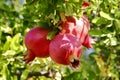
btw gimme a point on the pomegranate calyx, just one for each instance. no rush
(29, 56)
(74, 62)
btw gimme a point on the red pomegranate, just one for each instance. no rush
(36, 43)
(65, 49)
(77, 27)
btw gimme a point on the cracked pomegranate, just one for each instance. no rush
(79, 28)
(65, 49)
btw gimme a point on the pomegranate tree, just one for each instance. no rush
(65, 47)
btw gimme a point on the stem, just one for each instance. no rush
(62, 16)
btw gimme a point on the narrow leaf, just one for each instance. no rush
(6, 73)
(117, 25)
(106, 15)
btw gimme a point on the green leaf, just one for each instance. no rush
(117, 14)
(6, 29)
(17, 5)
(7, 43)
(113, 41)
(117, 25)
(106, 15)
(15, 43)
(9, 53)
(45, 25)
(110, 24)
(6, 73)
(69, 9)
(113, 56)
(24, 75)
(101, 65)
(51, 34)
(95, 32)
(98, 21)
(95, 19)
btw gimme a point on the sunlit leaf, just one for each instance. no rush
(95, 32)
(106, 15)
(24, 74)
(6, 73)
(113, 41)
(15, 43)
(101, 65)
(117, 26)
(7, 43)
(9, 53)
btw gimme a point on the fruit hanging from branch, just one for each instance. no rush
(79, 28)
(63, 43)
(36, 43)
(65, 49)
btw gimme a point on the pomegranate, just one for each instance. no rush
(29, 56)
(36, 43)
(65, 49)
(77, 27)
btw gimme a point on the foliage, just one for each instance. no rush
(18, 16)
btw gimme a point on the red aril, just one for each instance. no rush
(36, 43)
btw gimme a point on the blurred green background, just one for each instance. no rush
(17, 17)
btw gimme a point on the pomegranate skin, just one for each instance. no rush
(77, 27)
(29, 56)
(36, 42)
(68, 26)
(87, 42)
(71, 19)
(82, 28)
(65, 49)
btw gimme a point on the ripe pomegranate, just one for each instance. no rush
(36, 43)
(77, 27)
(65, 49)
